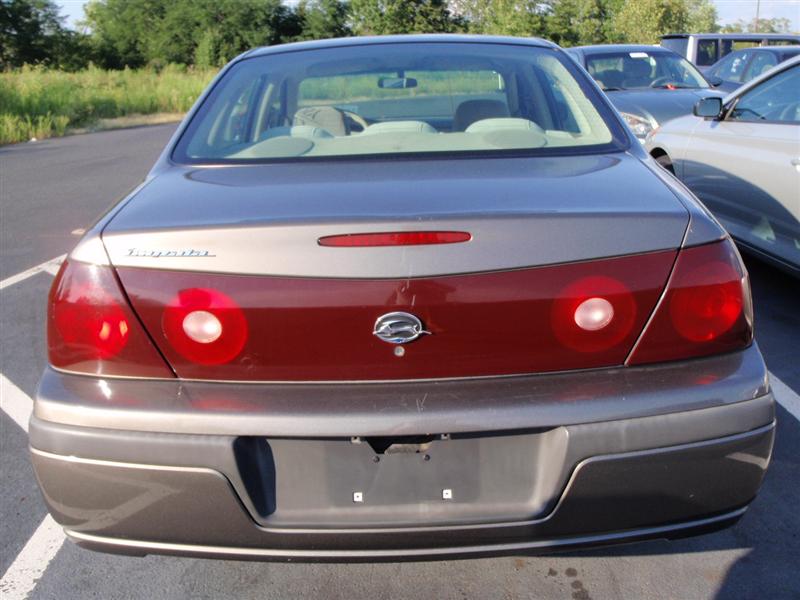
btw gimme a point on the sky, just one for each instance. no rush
(729, 11)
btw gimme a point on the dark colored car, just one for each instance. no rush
(649, 85)
(401, 297)
(742, 66)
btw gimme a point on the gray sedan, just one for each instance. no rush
(741, 156)
(648, 85)
(400, 298)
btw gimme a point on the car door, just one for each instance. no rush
(746, 167)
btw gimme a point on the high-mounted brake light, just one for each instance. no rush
(706, 309)
(91, 328)
(395, 238)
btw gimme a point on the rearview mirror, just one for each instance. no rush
(396, 83)
(708, 107)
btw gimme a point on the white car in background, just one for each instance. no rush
(741, 157)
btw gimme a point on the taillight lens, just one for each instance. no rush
(706, 309)
(91, 328)
(594, 313)
(205, 326)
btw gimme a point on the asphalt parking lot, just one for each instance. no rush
(51, 190)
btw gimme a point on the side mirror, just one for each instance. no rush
(714, 81)
(708, 107)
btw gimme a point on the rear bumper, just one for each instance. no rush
(196, 489)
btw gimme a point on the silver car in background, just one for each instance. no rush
(741, 156)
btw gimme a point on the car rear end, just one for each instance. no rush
(410, 357)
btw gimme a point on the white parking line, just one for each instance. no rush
(15, 403)
(22, 575)
(786, 396)
(50, 266)
(29, 565)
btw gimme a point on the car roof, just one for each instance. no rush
(734, 36)
(615, 48)
(398, 39)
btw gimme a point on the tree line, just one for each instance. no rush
(116, 34)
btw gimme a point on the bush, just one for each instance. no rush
(37, 102)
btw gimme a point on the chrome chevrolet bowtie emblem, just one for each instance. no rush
(398, 328)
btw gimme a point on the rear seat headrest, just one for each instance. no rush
(325, 117)
(399, 127)
(470, 111)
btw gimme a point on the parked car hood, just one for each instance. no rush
(659, 105)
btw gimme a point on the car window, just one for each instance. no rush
(777, 100)
(390, 102)
(728, 46)
(679, 45)
(761, 63)
(745, 44)
(706, 52)
(733, 66)
(399, 98)
(641, 69)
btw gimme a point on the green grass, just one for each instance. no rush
(42, 103)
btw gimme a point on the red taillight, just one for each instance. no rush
(205, 326)
(91, 328)
(594, 313)
(395, 238)
(705, 310)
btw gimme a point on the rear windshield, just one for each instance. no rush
(640, 69)
(401, 98)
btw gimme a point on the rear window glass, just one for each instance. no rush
(398, 99)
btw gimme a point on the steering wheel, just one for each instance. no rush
(661, 81)
(356, 119)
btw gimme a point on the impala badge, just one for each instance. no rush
(398, 328)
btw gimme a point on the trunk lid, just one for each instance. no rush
(266, 220)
